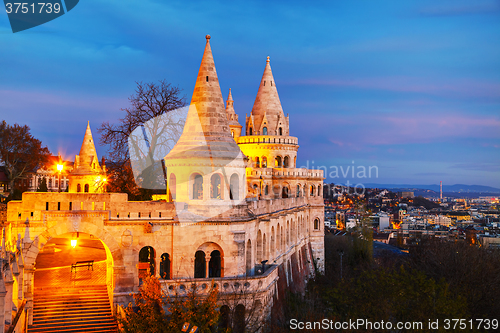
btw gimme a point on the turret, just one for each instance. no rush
(206, 168)
(87, 175)
(232, 117)
(267, 117)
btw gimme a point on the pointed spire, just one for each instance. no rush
(206, 128)
(268, 103)
(87, 160)
(88, 148)
(231, 115)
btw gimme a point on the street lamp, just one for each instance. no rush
(60, 168)
(341, 253)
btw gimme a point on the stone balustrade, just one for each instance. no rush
(226, 285)
(270, 139)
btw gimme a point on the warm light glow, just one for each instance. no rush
(74, 242)
(104, 179)
(60, 167)
(396, 225)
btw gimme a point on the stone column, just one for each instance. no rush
(9, 283)
(29, 292)
(20, 281)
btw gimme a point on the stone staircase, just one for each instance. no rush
(73, 310)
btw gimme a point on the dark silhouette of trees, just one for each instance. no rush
(472, 272)
(157, 312)
(20, 152)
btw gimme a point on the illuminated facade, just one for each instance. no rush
(88, 175)
(241, 213)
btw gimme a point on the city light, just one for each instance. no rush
(60, 167)
(74, 242)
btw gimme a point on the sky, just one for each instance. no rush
(408, 88)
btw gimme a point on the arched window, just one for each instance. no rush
(266, 190)
(215, 264)
(278, 238)
(224, 318)
(215, 187)
(264, 248)
(234, 187)
(295, 162)
(86, 188)
(165, 266)
(277, 162)
(284, 192)
(264, 162)
(232, 134)
(286, 162)
(172, 186)
(319, 190)
(264, 131)
(250, 131)
(146, 262)
(259, 246)
(239, 319)
(311, 190)
(281, 131)
(283, 239)
(200, 270)
(257, 162)
(272, 249)
(316, 224)
(249, 258)
(78, 188)
(298, 190)
(287, 233)
(197, 187)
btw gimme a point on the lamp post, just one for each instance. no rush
(60, 167)
(341, 253)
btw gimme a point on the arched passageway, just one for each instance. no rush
(73, 274)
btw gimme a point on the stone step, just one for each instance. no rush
(56, 321)
(74, 299)
(73, 310)
(42, 315)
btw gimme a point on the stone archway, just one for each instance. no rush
(73, 226)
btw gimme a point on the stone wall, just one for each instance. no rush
(3, 213)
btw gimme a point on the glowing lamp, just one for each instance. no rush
(74, 242)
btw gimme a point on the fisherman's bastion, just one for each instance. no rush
(237, 213)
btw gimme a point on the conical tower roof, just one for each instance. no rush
(206, 132)
(267, 103)
(87, 159)
(232, 117)
(87, 151)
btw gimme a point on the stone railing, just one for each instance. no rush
(225, 285)
(285, 172)
(268, 139)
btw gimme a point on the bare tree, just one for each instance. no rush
(139, 139)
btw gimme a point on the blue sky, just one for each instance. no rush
(411, 87)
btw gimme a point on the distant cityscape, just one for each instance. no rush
(404, 218)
